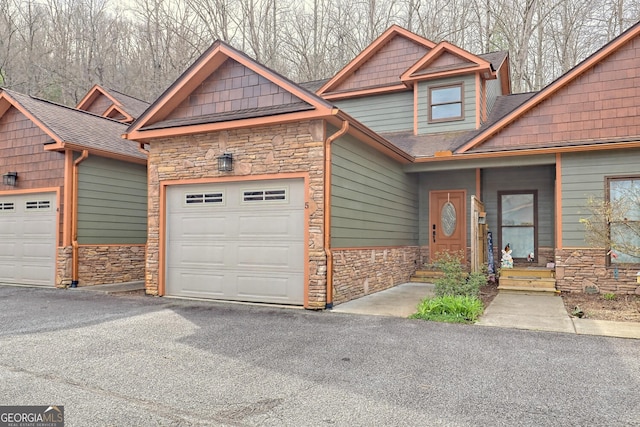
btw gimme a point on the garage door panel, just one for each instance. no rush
(283, 288)
(200, 226)
(37, 228)
(194, 255)
(28, 239)
(8, 227)
(266, 225)
(198, 284)
(7, 271)
(7, 250)
(32, 252)
(254, 256)
(237, 249)
(36, 273)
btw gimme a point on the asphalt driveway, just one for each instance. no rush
(143, 361)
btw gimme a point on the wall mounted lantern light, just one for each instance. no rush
(225, 162)
(10, 178)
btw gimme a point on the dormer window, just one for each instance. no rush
(445, 103)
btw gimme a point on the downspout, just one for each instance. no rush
(74, 220)
(327, 209)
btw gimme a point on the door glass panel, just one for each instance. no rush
(517, 209)
(448, 219)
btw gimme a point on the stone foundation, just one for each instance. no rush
(585, 270)
(359, 272)
(64, 268)
(101, 264)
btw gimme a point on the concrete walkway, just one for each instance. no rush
(507, 310)
(399, 301)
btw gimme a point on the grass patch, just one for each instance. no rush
(450, 309)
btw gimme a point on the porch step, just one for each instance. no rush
(516, 271)
(425, 276)
(428, 276)
(526, 290)
(527, 280)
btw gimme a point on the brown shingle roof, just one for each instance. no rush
(249, 113)
(427, 145)
(314, 85)
(495, 58)
(81, 128)
(134, 106)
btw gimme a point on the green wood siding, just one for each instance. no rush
(373, 202)
(469, 105)
(445, 180)
(382, 113)
(494, 90)
(541, 178)
(583, 175)
(112, 202)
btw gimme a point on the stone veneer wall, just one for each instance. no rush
(580, 270)
(64, 267)
(101, 264)
(278, 149)
(359, 272)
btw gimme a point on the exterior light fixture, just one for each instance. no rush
(225, 162)
(10, 178)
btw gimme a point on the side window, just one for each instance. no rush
(445, 103)
(624, 224)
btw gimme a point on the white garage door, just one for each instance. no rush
(239, 241)
(28, 239)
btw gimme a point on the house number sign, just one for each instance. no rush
(448, 219)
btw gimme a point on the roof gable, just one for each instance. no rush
(226, 88)
(116, 113)
(71, 128)
(446, 59)
(594, 102)
(231, 88)
(111, 103)
(97, 101)
(380, 64)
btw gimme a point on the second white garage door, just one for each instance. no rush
(28, 239)
(239, 241)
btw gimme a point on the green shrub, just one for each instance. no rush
(450, 309)
(455, 281)
(609, 296)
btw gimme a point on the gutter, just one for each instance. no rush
(74, 220)
(327, 209)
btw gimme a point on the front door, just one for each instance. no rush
(447, 222)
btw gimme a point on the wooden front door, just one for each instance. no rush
(447, 222)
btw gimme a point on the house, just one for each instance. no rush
(112, 104)
(264, 190)
(73, 197)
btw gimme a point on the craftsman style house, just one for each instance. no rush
(73, 196)
(264, 190)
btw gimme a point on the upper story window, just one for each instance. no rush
(445, 103)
